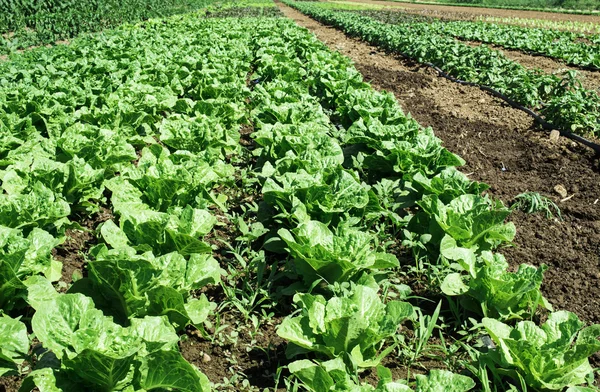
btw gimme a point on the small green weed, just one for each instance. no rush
(532, 202)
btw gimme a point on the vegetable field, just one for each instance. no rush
(296, 196)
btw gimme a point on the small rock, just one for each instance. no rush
(554, 135)
(561, 191)
(482, 100)
(206, 358)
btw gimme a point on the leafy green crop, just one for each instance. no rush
(550, 357)
(156, 138)
(561, 101)
(92, 351)
(564, 45)
(46, 21)
(463, 228)
(355, 321)
(333, 375)
(14, 345)
(21, 257)
(127, 286)
(496, 292)
(320, 253)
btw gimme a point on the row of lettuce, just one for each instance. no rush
(343, 169)
(573, 48)
(342, 166)
(561, 100)
(144, 121)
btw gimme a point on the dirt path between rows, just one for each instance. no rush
(502, 13)
(502, 149)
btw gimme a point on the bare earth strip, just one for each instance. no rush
(487, 11)
(502, 149)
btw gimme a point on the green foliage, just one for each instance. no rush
(354, 321)
(561, 101)
(320, 253)
(127, 286)
(564, 45)
(496, 292)
(550, 357)
(14, 345)
(103, 134)
(336, 375)
(146, 124)
(540, 4)
(34, 22)
(23, 256)
(532, 202)
(97, 353)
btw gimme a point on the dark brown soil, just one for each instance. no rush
(254, 356)
(10, 383)
(502, 147)
(77, 244)
(71, 253)
(486, 11)
(245, 132)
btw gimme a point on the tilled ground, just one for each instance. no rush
(501, 147)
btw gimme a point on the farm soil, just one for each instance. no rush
(10, 383)
(476, 11)
(502, 148)
(77, 243)
(256, 355)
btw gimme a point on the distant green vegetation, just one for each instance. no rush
(550, 4)
(25, 23)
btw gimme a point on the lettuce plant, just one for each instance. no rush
(126, 285)
(498, 293)
(550, 357)
(93, 353)
(318, 252)
(21, 257)
(326, 195)
(464, 227)
(337, 375)
(14, 345)
(355, 321)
